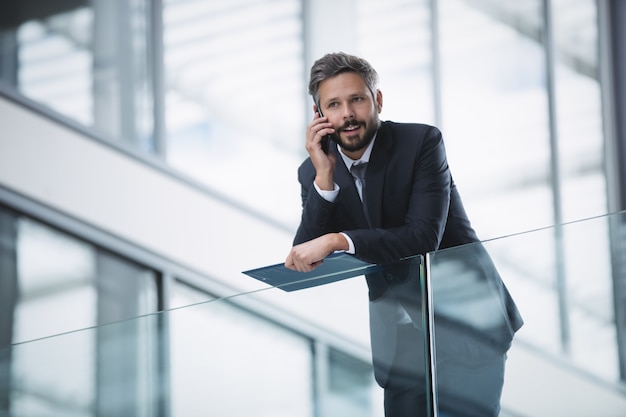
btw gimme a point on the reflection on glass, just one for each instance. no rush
(543, 368)
(474, 324)
(529, 266)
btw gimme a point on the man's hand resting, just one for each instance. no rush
(309, 255)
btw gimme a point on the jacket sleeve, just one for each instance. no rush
(317, 213)
(418, 225)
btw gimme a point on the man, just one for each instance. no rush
(405, 204)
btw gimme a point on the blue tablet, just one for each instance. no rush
(336, 267)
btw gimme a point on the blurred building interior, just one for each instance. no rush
(148, 155)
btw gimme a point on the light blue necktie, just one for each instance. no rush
(358, 172)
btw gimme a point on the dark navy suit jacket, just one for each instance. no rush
(414, 208)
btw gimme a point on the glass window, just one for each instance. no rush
(236, 94)
(350, 386)
(87, 60)
(395, 37)
(579, 109)
(52, 283)
(59, 276)
(496, 123)
(219, 351)
(235, 99)
(495, 113)
(56, 276)
(583, 185)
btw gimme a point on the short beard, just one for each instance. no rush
(364, 141)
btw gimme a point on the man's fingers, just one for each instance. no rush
(316, 264)
(300, 263)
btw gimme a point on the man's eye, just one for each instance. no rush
(357, 99)
(331, 105)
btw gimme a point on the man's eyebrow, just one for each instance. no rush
(357, 94)
(329, 100)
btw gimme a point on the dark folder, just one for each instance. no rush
(335, 267)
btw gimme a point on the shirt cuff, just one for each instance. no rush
(350, 243)
(329, 196)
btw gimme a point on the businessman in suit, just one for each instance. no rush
(404, 204)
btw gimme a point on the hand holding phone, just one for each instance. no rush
(325, 142)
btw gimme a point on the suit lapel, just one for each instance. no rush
(375, 175)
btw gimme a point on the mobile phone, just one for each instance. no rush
(325, 142)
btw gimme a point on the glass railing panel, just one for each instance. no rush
(224, 361)
(566, 358)
(249, 354)
(390, 324)
(365, 309)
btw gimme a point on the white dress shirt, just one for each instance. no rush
(331, 196)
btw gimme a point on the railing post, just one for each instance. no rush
(429, 341)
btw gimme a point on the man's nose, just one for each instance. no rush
(348, 111)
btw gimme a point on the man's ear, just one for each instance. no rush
(379, 101)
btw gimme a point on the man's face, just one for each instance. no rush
(348, 104)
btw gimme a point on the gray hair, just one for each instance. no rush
(334, 64)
